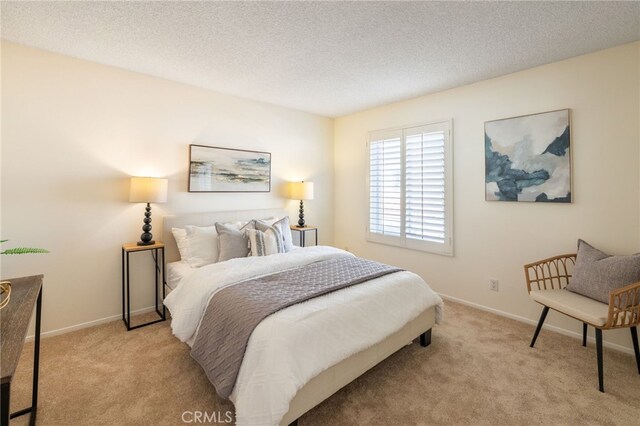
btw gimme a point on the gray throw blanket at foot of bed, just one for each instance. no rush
(235, 311)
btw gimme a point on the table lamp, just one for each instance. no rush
(301, 191)
(147, 190)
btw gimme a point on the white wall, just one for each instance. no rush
(495, 239)
(74, 131)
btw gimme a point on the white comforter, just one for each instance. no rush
(292, 346)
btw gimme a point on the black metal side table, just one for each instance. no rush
(302, 231)
(25, 293)
(156, 249)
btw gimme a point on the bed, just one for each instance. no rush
(282, 379)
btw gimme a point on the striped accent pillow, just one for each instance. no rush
(282, 226)
(265, 243)
(278, 229)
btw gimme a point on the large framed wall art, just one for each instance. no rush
(213, 169)
(528, 158)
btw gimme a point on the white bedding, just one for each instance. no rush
(294, 345)
(176, 271)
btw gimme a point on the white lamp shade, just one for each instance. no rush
(302, 190)
(148, 190)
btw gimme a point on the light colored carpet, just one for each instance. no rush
(479, 370)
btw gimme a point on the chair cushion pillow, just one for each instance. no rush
(577, 306)
(596, 274)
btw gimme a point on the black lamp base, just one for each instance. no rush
(146, 239)
(301, 216)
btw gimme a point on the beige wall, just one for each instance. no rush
(494, 239)
(74, 131)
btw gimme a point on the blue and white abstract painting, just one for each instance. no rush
(213, 169)
(528, 158)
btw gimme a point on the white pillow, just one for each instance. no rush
(202, 243)
(201, 246)
(265, 243)
(282, 225)
(269, 221)
(180, 235)
(285, 230)
(237, 225)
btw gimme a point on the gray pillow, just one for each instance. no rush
(596, 273)
(233, 242)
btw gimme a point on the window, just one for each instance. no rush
(410, 188)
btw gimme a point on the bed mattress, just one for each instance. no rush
(292, 346)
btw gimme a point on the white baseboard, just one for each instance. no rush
(519, 318)
(557, 329)
(89, 324)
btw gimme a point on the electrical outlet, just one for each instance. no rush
(493, 284)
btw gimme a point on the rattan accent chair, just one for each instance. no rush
(546, 282)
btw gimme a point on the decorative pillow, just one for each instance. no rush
(261, 226)
(233, 242)
(269, 220)
(180, 235)
(202, 245)
(265, 243)
(596, 273)
(285, 229)
(282, 225)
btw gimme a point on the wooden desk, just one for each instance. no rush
(25, 293)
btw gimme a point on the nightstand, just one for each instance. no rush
(155, 250)
(302, 231)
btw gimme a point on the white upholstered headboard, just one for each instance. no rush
(207, 219)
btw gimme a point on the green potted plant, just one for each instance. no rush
(5, 286)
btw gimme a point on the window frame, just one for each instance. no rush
(446, 248)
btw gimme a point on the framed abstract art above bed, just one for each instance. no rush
(214, 169)
(528, 158)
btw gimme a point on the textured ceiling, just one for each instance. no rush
(328, 58)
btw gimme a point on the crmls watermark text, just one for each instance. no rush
(205, 417)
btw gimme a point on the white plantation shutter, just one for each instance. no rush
(385, 184)
(426, 187)
(410, 188)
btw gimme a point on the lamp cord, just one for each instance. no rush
(155, 261)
